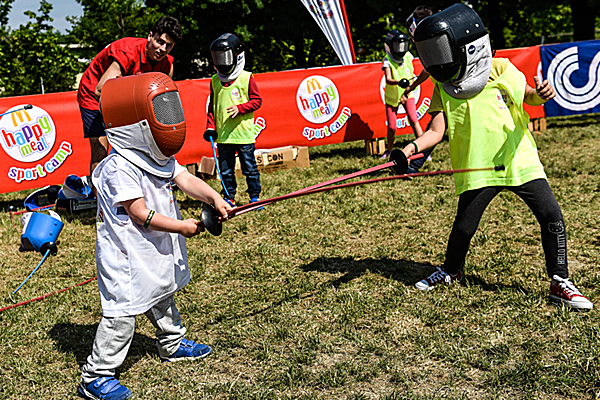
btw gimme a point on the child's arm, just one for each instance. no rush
(141, 215)
(432, 136)
(423, 76)
(542, 93)
(210, 116)
(388, 76)
(254, 101)
(200, 190)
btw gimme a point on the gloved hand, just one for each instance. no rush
(210, 133)
(400, 162)
(404, 83)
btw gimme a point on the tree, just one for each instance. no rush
(277, 34)
(33, 56)
(105, 21)
(585, 12)
(281, 34)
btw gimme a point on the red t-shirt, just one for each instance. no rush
(130, 53)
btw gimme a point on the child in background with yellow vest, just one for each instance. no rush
(479, 102)
(397, 65)
(234, 97)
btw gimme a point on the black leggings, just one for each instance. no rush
(540, 199)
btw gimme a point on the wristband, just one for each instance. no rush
(416, 147)
(150, 215)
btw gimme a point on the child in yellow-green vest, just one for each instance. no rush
(478, 101)
(234, 97)
(397, 65)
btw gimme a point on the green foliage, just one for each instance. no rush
(277, 34)
(5, 7)
(530, 26)
(34, 55)
(105, 21)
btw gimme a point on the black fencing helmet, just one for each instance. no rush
(411, 24)
(397, 42)
(224, 51)
(441, 40)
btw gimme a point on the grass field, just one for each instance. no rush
(314, 298)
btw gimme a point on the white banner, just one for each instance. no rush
(328, 15)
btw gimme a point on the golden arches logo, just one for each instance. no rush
(20, 116)
(312, 83)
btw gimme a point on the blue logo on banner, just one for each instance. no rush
(573, 69)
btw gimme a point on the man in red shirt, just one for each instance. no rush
(127, 56)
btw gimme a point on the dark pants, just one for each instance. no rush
(245, 153)
(540, 199)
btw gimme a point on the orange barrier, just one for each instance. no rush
(311, 107)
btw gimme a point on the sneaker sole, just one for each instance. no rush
(83, 392)
(573, 304)
(186, 358)
(423, 287)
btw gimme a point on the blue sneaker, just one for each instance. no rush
(188, 350)
(254, 200)
(105, 388)
(231, 202)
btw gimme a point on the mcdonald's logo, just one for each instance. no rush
(27, 135)
(19, 114)
(312, 82)
(317, 98)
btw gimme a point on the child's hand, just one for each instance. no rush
(544, 90)
(190, 228)
(233, 111)
(222, 207)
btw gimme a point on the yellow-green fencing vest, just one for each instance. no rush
(490, 129)
(406, 70)
(238, 130)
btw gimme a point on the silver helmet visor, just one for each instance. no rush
(223, 57)
(399, 47)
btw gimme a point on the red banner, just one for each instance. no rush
(310, 107)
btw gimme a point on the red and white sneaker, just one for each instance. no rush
(562, 290)
(439, 276)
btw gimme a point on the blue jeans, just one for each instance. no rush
(245, 153)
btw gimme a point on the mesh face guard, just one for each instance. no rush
(168, 109)
(441, 39)
(439, 58)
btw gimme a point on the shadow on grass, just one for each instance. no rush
(78, 339)
(336, 150)
(573, 121)
(403, 271)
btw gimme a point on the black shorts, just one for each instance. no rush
(93, 125)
